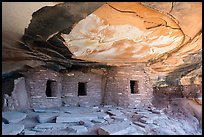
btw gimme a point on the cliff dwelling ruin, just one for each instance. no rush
(102, 68)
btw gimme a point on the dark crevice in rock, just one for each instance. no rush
(127, 11)
(172, 7)
(168, 13)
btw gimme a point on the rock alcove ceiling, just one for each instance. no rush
(165, 36)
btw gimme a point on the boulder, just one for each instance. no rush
(119, 118)
(46, 110)
(66, 118)
(95, 107)
(87, 123)
(119, 128)
(79, 129)
(13, 116)
(53, 126)
(98, 120)
(101, 115)
(110, 120)
(12, 129)
(139, 124)
(46, 117)
(119, 108)
(156, 111)
(107, 106)
(29, 132)
(163, 131)
(76, 110)
(114, 112)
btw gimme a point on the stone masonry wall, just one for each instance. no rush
(112, 88)
(36, 80)
(70, 88)
(118, 92)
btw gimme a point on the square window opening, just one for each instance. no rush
(134, 87)
(51, 88)
(82, 88)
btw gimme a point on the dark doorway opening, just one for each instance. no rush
(82, 88)
(134, 87)
(51, 88)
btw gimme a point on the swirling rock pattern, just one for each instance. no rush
(121, 33)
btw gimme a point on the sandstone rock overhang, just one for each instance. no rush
(167, 37)
(120, 33)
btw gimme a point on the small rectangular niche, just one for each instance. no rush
(82, 87)
(134, 87)
(51, 88)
